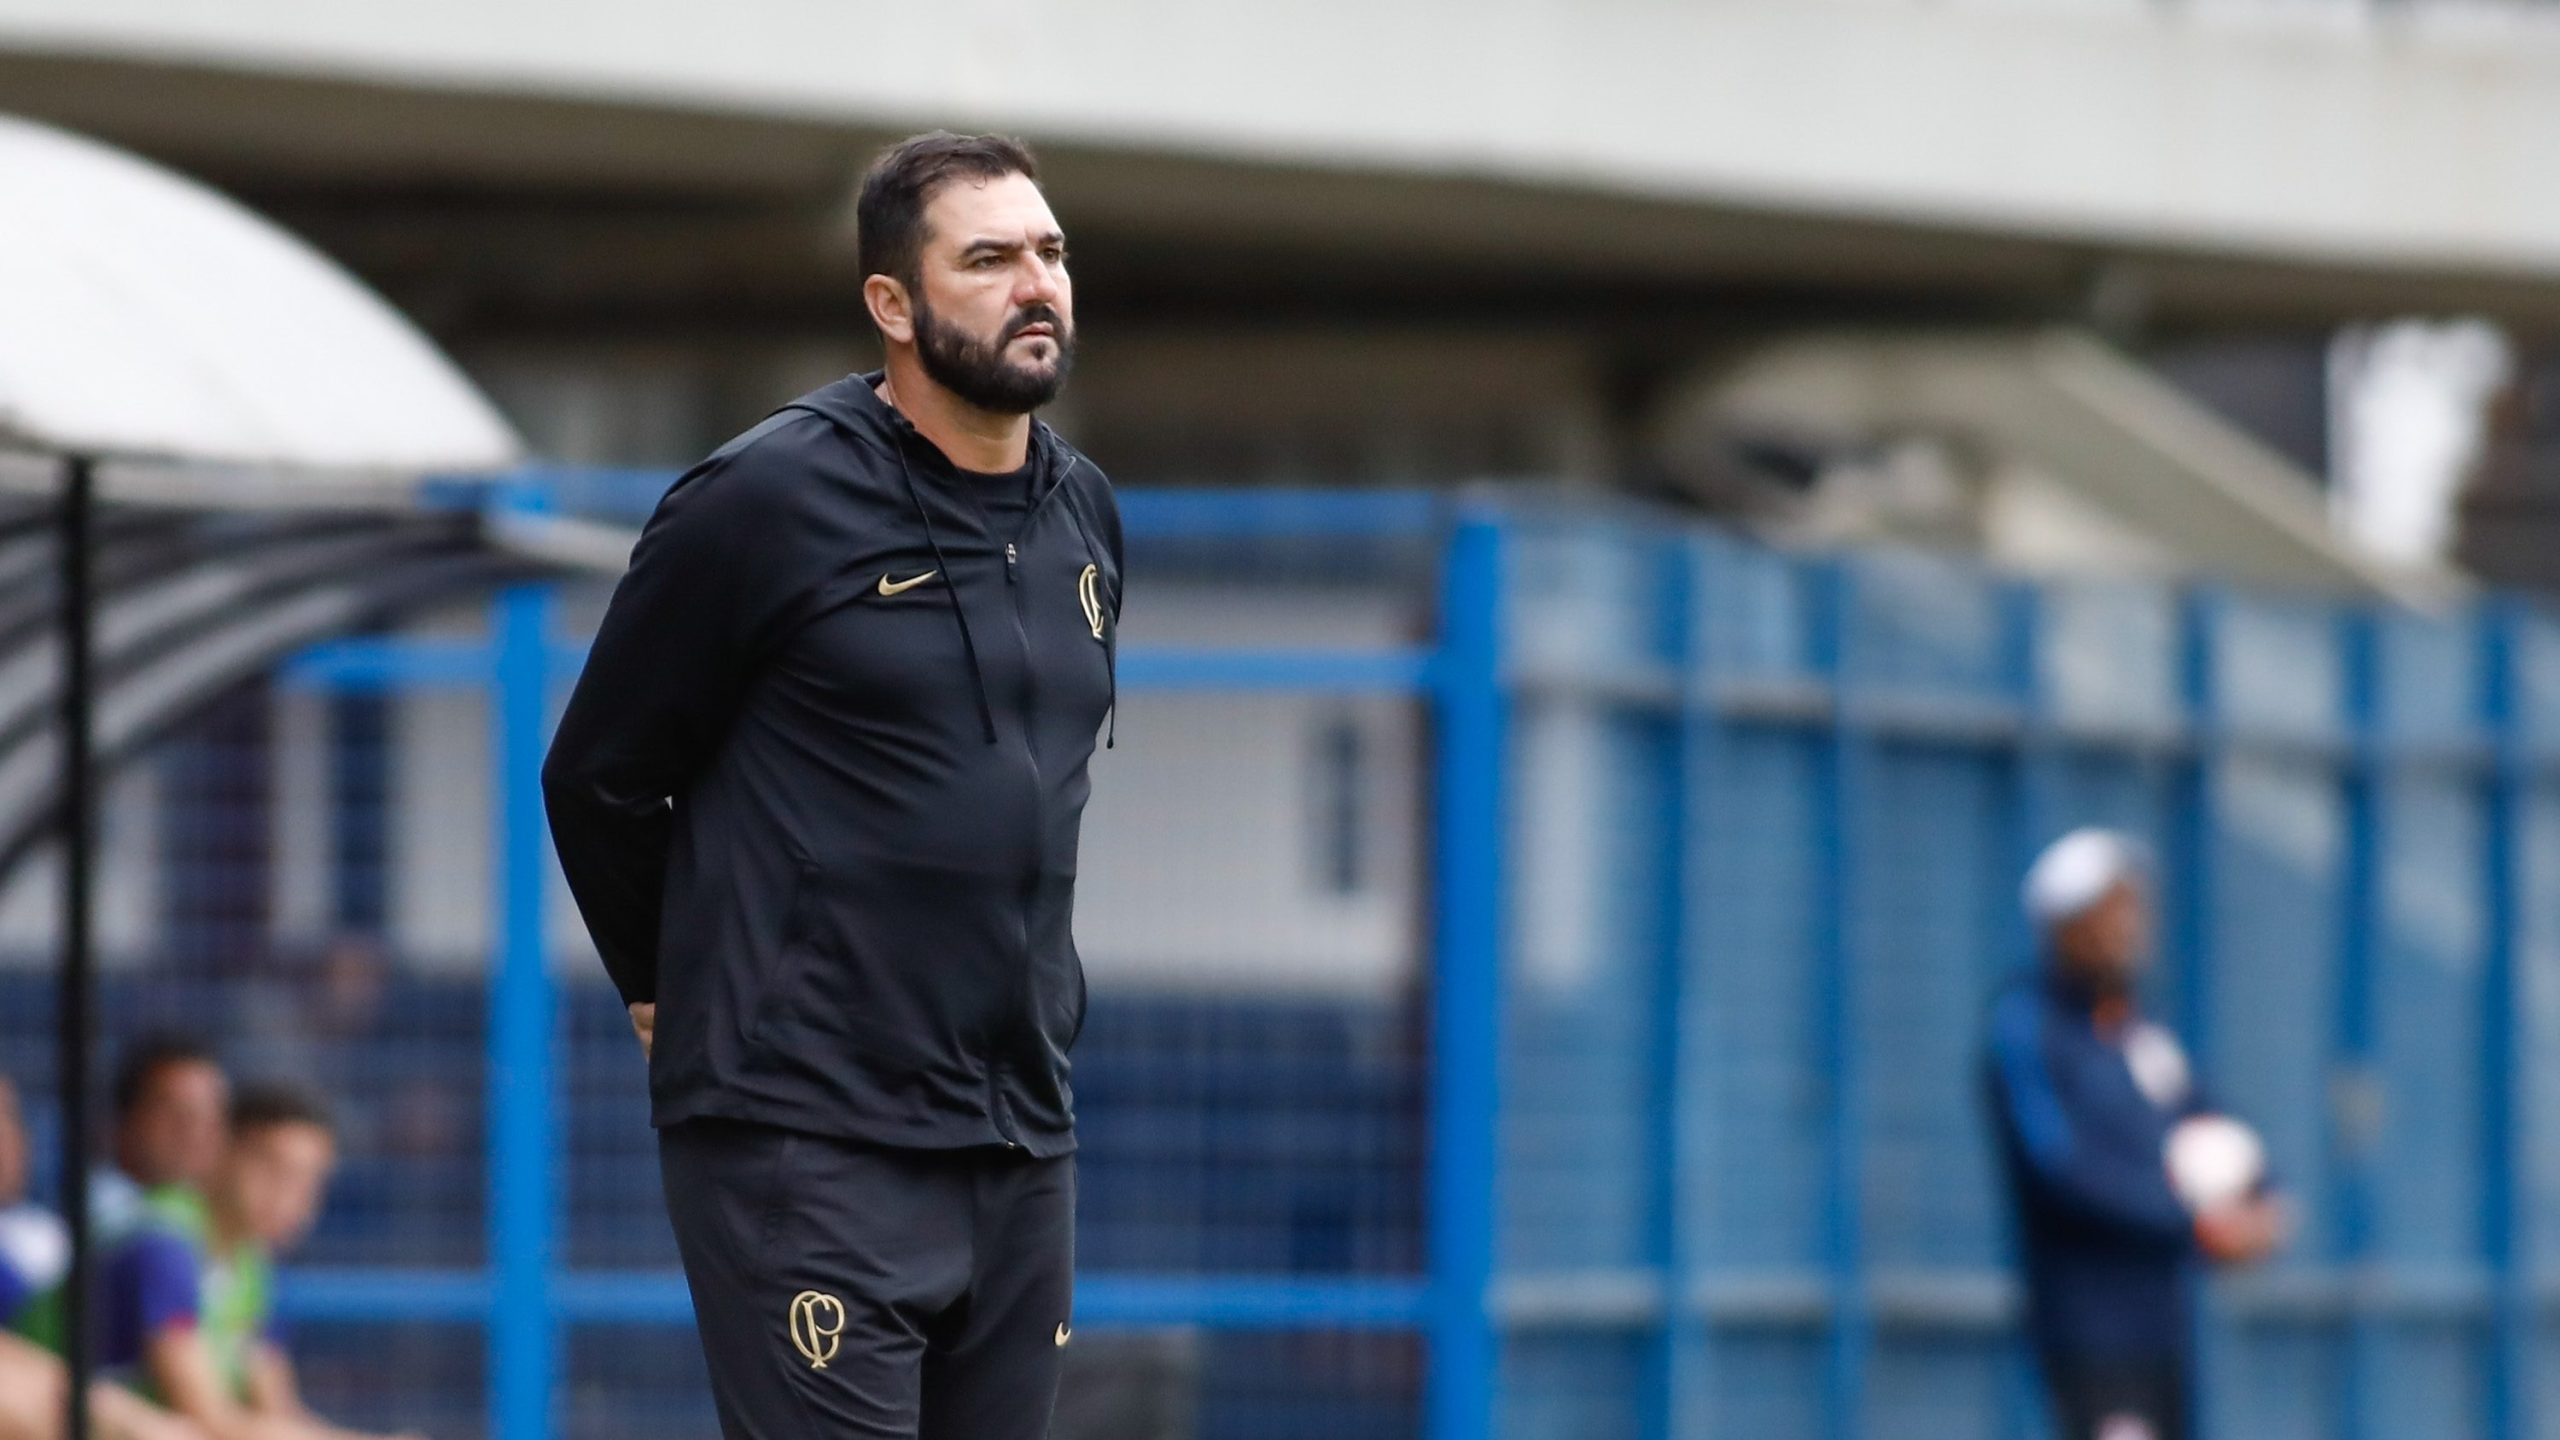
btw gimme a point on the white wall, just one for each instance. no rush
(301, 887)
(2361, 132)
(443, 870)
(1202, 859)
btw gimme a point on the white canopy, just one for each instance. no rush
(143, 316)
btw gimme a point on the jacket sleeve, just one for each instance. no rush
(2092, 1182)
(703, 603)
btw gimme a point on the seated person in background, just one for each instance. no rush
(171, 1100)
(35, 1248)
(35, 1251)
(188, 1308)
(170, 1118)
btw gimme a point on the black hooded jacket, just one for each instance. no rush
(818, 790)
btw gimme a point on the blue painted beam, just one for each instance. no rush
(2364, 912)
(1842, 780)
(1317, 672)
(1280, 514)
(1466, 1046)
(1244, 1302)
(2035, 820)
(1103, 1302)
(401, 663)
(383, 663)
(629, 494)
(523, 1126)
(2507, 1190)
(2195, 895)
(384, 1295)
(1679, 1342)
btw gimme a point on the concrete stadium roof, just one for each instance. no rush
(145, 316)
(2087, 421)
(2294, 163)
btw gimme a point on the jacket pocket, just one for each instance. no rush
(792, 956)
(891, 991)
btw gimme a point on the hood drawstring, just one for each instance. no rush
(951, 588)
(1110, 634)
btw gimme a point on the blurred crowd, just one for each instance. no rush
(203, 1188)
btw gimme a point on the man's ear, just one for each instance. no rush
(886, 299)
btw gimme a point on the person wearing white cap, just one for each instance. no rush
(2122, 1174)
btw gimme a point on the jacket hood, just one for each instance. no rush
(854, 403)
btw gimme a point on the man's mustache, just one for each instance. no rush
(1035, 315)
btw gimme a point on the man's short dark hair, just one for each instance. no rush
(888, 216)
(143, 1061)
(266, 1106)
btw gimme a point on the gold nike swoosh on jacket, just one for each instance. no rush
(901, 587)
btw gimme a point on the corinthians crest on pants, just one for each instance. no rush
(817, 1326)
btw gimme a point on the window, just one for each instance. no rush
(1338, 780)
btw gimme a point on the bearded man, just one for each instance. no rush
(818, 795)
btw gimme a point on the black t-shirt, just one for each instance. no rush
(1006, 496)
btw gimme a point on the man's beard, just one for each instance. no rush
(979, 373)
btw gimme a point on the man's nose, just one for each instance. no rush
(1035, 284)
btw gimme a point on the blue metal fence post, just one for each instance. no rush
(2191, 922)
(1685, 767)
(1852, 1321)
(521, 1126)
(2504, 1191)
(1467, 999)
(2033, 824)
(2035, 806)
(2362, 913)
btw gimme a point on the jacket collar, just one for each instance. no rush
(854, 402)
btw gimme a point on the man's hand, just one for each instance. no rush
(644, 1023)
(2243, 1233)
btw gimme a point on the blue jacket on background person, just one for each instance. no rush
(2084, 1094)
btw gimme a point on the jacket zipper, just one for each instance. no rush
(1031, 756)
(1002, 1117)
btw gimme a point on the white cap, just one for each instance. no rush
(2076, 872)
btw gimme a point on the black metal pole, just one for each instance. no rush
(72, 1004)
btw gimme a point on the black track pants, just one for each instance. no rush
(851, 1291)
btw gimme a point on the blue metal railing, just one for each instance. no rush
(1830, 728)
(523, 1121)
(1467, 988)
(526, 1299)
